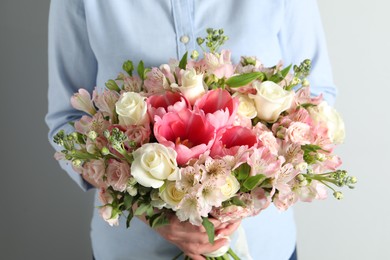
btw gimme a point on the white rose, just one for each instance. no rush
(132, 109)
(271, 100)
(192, 86)
(323, 113)
(153, 164)
(246, 107)
(231, 187)
(171, 195)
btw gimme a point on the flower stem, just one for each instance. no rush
(232, 254)
(177, 257)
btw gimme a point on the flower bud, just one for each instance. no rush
(76, 162)
(105, 151)
(305, 83)
(132, 190)
(338, 195)
(92, 135)
(194, 55)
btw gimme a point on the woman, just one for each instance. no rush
(88, 42)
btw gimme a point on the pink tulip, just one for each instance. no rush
(219, 106)
(169, 101)
(187, 132)
(230, 140)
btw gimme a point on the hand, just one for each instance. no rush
(193, 240)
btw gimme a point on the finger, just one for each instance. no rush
(217, 245)
(229, 229)
(196, 257)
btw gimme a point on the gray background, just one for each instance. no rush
(43, 215)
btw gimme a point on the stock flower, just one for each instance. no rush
(132, 109)
(187, 132)
(160, 104)
(153, 164)
(271, 100)
(325, 114)
(219, 106)
(82, 101)
(118, 174)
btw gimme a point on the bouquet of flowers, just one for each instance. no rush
(203, 137)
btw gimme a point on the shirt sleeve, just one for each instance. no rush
(302, 37)
(72, 65)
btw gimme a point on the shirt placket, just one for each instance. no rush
(182, 11)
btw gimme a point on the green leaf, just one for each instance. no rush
(142, 209)
(183, 61)
(210, 230)
(236, 201)
(141, 70)
(158, 220)
(285, 71)
(253, 181)
(129, 218)
(244, 79)
(128, 201)
(242, 172)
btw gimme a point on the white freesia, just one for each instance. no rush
(192, 86)
(271, 100)
(132, 109)
(230, 188)
(246, 106)
(171, 195)
(153, 164)
(324, 113)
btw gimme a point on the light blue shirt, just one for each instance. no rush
(90, 39)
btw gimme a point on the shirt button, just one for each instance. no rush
(184, 39)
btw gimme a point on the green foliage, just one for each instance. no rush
(244, 79)
(210, 230)
(253, 181)
(183, 61)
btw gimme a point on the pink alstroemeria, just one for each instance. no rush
(155, 81)
(262, 161)
(105, 101)
(167, 102)
(187, 132)
(219, 106)
(230, 140)
(82, 101)
(96, 123)
(221, 66)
